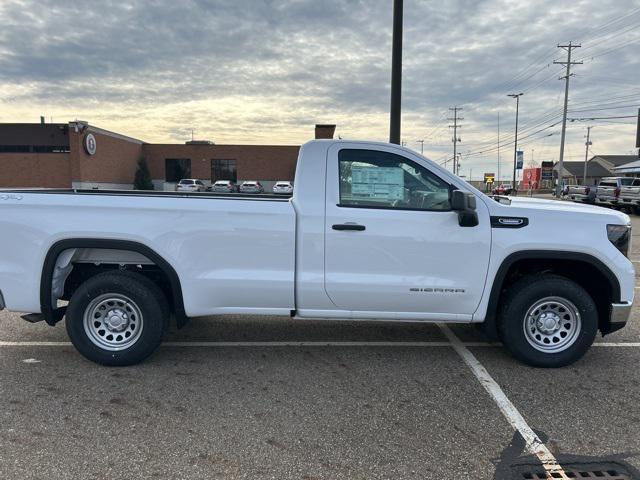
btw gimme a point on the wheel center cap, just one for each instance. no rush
(548, 323)
(116, 320)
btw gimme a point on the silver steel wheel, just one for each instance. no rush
(552, 324)
(113, 322)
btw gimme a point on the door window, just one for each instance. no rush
(377, 179)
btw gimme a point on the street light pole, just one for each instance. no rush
(396, 74)
(515, 148)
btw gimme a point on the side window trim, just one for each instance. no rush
(409, 162)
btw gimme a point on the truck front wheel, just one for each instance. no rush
(117, 318)
(547, 321)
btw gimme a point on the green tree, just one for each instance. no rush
(142, 180)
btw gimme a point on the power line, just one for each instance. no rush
(598, 118)
(508, 143)
(606, 27)
(613, 107)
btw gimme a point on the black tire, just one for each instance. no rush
(531, 290)
(635, 210)
(146, 299)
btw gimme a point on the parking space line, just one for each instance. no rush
(508, 409)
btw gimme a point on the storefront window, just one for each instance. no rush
(223, 170)
(175, 169)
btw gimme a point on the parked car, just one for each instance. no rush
(251, 186)
(609, 190)
(630, 196)
(582, 193)
(397, 238)
(223, 186)
(283, 187)
(503, 189)
(190, 185)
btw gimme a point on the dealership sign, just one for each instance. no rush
(90, 144)
(519, 159)
(547, 170)
(489, 177)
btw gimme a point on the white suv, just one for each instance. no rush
(251, 186)
(190, 185)
(226, 186)
(283, 187)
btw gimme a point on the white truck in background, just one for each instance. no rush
(373, 231)
(629, 197)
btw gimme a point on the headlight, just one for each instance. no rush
(620, 236)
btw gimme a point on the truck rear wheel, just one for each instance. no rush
(547, 321)
(117, 318)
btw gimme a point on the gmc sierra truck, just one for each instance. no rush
(629, 197)
(373, 231)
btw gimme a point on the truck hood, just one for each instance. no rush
(557, 206)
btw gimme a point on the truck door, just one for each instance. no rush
(392, 242)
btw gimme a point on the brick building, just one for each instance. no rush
(79, 155)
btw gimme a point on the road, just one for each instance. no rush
(274, 398)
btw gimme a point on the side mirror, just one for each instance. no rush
(465, 204)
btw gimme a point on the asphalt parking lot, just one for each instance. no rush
(281, 399)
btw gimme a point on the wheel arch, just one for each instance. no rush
(52, 314)
(560, 262)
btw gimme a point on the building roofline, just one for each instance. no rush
(219, 145)
(102, 131)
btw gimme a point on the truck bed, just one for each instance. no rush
(219, 249)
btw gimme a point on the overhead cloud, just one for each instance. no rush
(251, 71)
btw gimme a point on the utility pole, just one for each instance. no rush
(396, 74)
(586, 155)
(568, 64)
(515, 147)
(498, 147)
(456, 139)
(421, 142)
(638, 134)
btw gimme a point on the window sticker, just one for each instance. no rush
(384, 183)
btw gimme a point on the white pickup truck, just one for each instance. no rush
(373, 232)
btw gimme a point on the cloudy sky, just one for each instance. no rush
(265, 71)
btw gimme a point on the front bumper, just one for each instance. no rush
(619, 316)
